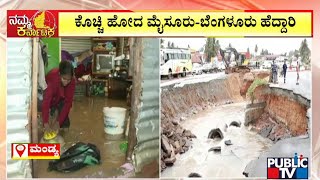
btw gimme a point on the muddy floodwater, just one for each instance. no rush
(231, 162)
(87, 126)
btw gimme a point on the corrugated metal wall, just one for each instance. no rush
(147, 149)
(74, 45)
(19, 51)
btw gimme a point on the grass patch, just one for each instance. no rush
(256, 83)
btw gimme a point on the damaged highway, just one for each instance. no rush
(222, 126)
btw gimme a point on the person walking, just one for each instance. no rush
(284, 71)
(298, 70)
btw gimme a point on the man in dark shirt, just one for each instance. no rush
(59, 94)
(284, 70)
(274, 72)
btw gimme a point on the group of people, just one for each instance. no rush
(274, 71)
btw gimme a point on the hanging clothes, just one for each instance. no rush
(41, 67)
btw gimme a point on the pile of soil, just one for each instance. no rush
(174, 140)
(270, 128)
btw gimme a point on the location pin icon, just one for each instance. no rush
(20, 149)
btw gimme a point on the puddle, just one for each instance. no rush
(87, 126)
(233, 159)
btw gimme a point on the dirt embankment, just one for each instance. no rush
(285, 114)
(184, 101)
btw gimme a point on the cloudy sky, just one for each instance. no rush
(274, 45)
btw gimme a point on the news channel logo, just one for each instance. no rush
(295, 167)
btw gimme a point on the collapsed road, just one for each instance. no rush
(192, 112)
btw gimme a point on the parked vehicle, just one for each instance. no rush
(175, 61)
(197, 69)
(267, 64)
(221, 66)
(210, 68)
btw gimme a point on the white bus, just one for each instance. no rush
(175, 61)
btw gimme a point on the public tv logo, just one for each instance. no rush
(288, 168)
(35, 151)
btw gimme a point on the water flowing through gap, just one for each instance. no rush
(232, 160)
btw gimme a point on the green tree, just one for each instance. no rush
(291, 53)
(256, 49)
(211, 48)
(296, 54)
(305, 52)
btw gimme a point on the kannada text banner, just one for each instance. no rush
(152, 24)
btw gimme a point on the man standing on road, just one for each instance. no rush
(298, 70)
(274, 72)
(284, 70)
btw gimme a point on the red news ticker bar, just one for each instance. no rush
(279, 11)
(43, 149)
(94, 10)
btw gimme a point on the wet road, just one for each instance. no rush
(190, 79)
(304, 87)
(87, 126)
(233, 159)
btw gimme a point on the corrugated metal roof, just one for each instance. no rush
(74, 45)
(147, 149)
(18, 100)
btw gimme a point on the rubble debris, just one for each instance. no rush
(270, 128)
(225, 128)
(235, 123)
(170, 161)
(174, 140)
(266, 131)
(228, 142)
(215, 149)
(183, 118)
(194, 175)
(163, 165)
(215, 133)
(165, 145)
(229, 102)
(175, 122)
(251, 165)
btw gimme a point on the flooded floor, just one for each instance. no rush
(87, 126)
(233, 159)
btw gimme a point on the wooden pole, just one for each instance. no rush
(34, 102)
(120, 45)
(130, 56)
(136, 94)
